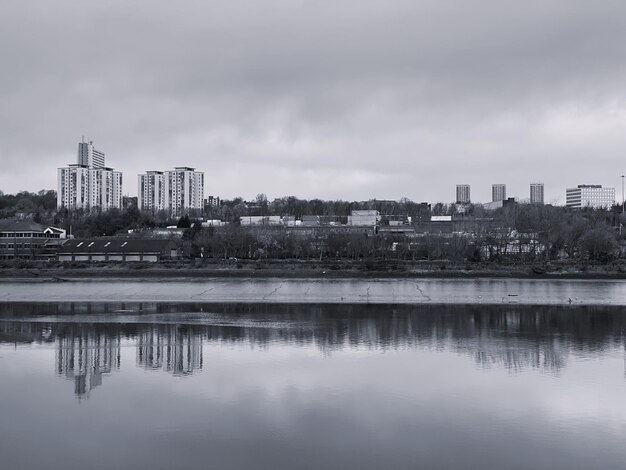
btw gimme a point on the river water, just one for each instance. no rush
(163, 385)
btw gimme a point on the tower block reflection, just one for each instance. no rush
(173, 348)
(85, 356)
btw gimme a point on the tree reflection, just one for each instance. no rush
(170, 337)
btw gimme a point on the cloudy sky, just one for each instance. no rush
(350, 99)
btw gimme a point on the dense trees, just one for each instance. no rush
(41, 205)
(515, 232)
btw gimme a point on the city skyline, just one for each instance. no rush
(89, 156)
(156, 190)
(315, 110)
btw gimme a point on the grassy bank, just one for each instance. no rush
(312, 268)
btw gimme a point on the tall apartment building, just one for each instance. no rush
(536, 193)
(498, 192)
(88, 184)
(151, 191)
(463, 194)
(89, 156)
(178, 191)
(590, 195)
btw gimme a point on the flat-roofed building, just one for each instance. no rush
(463, 194)
(590, 195)
(536, 193)
(88, 155)
(151, 191)
(88, 184)
(179, 191)
(498, 192)
(363, 218)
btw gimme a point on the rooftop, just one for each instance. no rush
(117, 245)
(20, 225)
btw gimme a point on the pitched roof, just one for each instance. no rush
(116, 245)
(20, 225)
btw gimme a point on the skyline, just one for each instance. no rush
(315, 99)
(85, 149)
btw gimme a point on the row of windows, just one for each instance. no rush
(17, 246)
(24, 235)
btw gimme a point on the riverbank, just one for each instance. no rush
(486, 291)
(382, 269)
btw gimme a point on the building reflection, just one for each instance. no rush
(85, 355)
(170, 337)
(173, 348)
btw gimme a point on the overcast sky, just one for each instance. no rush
(349, 99)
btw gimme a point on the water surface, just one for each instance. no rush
(271, 386)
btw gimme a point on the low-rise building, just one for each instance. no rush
(492, 206)
(25, 239)
(364, 218)
(260, 220)
(118, 249)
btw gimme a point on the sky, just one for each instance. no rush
(351, 99)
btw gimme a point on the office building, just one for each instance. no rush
(536, 193)
(590, 195)
(88, 184)
(178, 191)
(463, 194)
(25, 239)
(498, 192)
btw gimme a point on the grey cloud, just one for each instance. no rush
(317, 98)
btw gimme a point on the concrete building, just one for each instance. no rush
(184, 190)
(498, 192)
(463, 194)
(88, 184)
(213, 201)
(88, 155)
(151, 191)
(178, 191)
(536, 193)
(363, 218)
(493, 205)
(590, 195)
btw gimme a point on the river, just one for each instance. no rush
(309, 374)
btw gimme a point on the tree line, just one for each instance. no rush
(518, 231)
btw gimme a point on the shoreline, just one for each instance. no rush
(130, 271)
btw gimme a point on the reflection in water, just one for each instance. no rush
(85, 352)
(311, 386)
(84, 355)
(170, 337)
(173, 348)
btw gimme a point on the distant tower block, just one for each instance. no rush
(463, 194)
(498, 192)
(536, 193)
